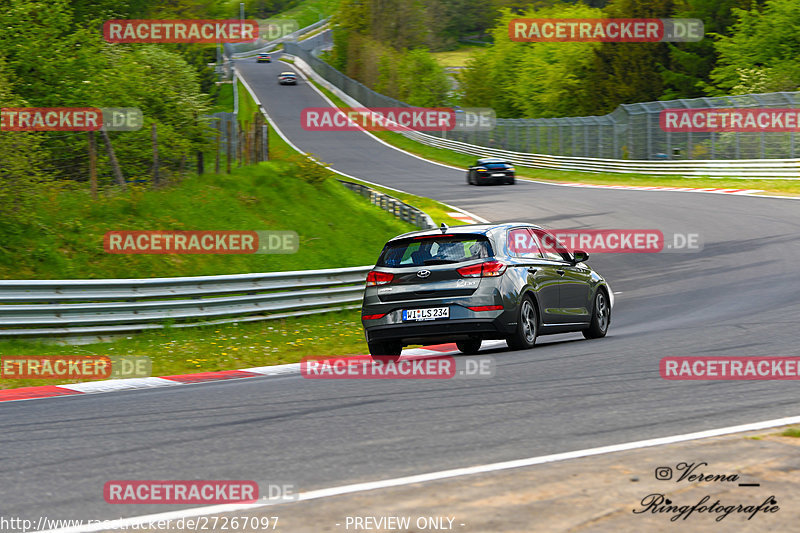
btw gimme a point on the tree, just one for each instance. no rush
(764, 44)
(626, 73)
(689, 75)
(531, 80)
(22, 178)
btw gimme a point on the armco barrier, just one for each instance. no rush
(737, 168)
(38, 308)
(401, 210)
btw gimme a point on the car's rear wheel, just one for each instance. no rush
(527, 326)
(469, 346)
(511, 181)
(385, 348)
(469, 178)
(601, 317)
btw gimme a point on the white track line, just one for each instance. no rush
(432, 476)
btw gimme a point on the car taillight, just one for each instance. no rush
(373, 317)
(486, 308)
(483, 270)
(378, 278)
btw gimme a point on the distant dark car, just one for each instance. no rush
(491, 170)
(287, 78)
(468, 283)
(264, 58)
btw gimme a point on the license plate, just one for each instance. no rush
(431, 313)
(497, 175)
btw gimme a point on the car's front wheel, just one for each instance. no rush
(527, 326)
(385, 348)
(470, 346)
(601, 317)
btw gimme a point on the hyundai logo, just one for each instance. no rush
(423, 273)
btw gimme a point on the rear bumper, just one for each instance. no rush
(438, 331)
(494, 179)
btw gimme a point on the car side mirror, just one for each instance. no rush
(579, 256)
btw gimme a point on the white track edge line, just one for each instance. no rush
(433, 476)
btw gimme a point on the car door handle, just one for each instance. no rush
(560, 272)
(533, 270)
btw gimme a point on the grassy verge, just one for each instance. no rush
(310, 11)
(205, 349)
(224, 99)
(66, 238)
(457, 57)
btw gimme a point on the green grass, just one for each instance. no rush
(310, 11)
(224, 99)
(247, 106)
(66, 240)
(457, 57)
(791, 432)
(205, 349)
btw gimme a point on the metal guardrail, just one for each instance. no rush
(738, 168)
(36, 308)
(235, 51)
(401, 210)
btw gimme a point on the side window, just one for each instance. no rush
(552, 248)
(522, 243)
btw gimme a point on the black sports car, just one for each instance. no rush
(491, 170)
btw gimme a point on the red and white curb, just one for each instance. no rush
(462, 217)
(112, 385)
(663, 188)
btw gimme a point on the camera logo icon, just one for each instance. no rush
(663, 473)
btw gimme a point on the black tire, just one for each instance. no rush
(469, 178)
(512, 181)
(601, 316)
(470, 346)
(527, 330)
(385, 348)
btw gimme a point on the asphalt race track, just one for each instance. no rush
(740, 296)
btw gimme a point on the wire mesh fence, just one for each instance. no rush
(632, 131)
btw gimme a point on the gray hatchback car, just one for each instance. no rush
(468, 283)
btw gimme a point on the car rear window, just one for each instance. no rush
(435, 250)
(496, 165)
